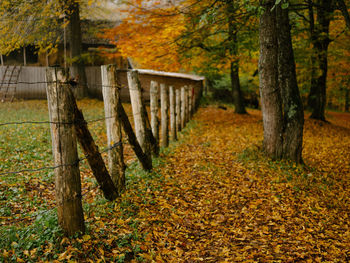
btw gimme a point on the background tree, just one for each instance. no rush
(203, 36)
(317, 16)
(40, 24)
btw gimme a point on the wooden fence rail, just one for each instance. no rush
(32, 82)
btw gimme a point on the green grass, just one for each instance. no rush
(28, 219)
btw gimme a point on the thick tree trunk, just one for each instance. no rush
(320, 42)
(75, 47)
(268, 75)
(293, 113)
(238, 99)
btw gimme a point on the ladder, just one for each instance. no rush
(9, 81)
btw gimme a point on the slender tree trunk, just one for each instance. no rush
(268, 75)
(234, 70)
(320, 42)
(75, 46)
(236, 89)
(293, 113)
(347, 100)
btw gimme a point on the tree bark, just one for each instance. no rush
(293, 113)
(75, 47)
(320, 42)
(268, 74)
(111, 97)
(64, 148)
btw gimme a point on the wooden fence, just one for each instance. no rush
(171, 104)
(31, 82)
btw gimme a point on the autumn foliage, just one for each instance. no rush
(148, 35)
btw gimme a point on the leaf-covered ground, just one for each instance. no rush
(213, 197)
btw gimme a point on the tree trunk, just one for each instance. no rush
(293, 113)
(238, 99)
(347, 100)
(236, 89)
(320, 42)
(268, 74)
(75, 47)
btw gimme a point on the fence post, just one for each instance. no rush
(154, 105)
(64, 148)
(111, 95)
(190, 101)
(183, 108)
(145, 160)
(164, 114)
(172, 113)
(138, 112)
(187, 103)
(178, 111)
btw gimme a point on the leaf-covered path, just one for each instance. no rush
(213, 197)
(220, 200)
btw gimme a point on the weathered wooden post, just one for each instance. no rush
(178, 111)
(183, 108)
(187, 103)
(172, 113)
(190, 102)
(145, 160)
(164, 114)
(93, 155)
(111, 94)
(138, 112)
(64, 148)
(154, 105)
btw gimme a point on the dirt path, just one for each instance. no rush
(215, 198)
(221, 201)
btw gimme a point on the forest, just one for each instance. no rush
(220, 131)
